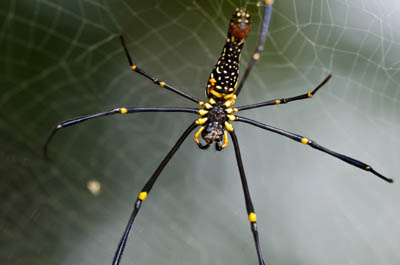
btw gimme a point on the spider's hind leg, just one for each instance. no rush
(249, 205)
(144, 192)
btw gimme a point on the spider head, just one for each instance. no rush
(239, 26)
(214, 132)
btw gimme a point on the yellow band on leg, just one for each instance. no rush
(142, 196)
(252, 217)
(196, 136)
(225, 139)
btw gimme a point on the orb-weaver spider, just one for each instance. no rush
(217, 114)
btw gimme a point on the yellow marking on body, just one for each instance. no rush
(235, 110)
(207, 105)
(231, 89)
(309, 95)
(142, 196)
(133, 67)
(231, 117)
(123, 110)
(368, 168)
(256, 56)
(201, 121)
(277, 101)
(238, 14)
(233, 38)
(304, 140)
(212, 81)
(215, 93)
(201, 103)
(230, 96)
(162, 84)
(212, 101)
(239, 20)
(196, 136)
(202, 112)
(252, 217)
(225, 139)
(228, 126)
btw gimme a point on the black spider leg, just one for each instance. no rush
(314, 145)
(260, 44)
(285, 100)
(249, 204)
(155, 80)
(144, 192)
(203, 146)
(77, 120)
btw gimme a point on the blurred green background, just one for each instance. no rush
(62, 59)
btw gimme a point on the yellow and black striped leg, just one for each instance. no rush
(285, 100)
(145, 191)
(200, 121)
(154, 80)
(219, 146)
(77, 120)
(303, 140)
(260, 44)
(249, 205)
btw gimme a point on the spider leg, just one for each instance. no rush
(155, 80)
(146, 190)
(314, 145)
(249, 204)
(260, 44)
(77, 120)
(285, 100)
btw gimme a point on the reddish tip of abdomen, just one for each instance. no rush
(240, 30)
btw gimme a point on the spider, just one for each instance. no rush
(217, 115)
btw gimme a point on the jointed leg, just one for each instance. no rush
(155, 80)
(75, 121)
(249, 204)
(285, 100)
(314, 145)
(146, 190)
(260, 43)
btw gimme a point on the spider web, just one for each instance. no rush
(61, 59)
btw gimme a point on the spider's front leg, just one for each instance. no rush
(153, 79)
(260, 44)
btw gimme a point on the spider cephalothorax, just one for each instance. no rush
(215, 122)
(213, 129)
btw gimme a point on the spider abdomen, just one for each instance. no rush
(223, 78)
